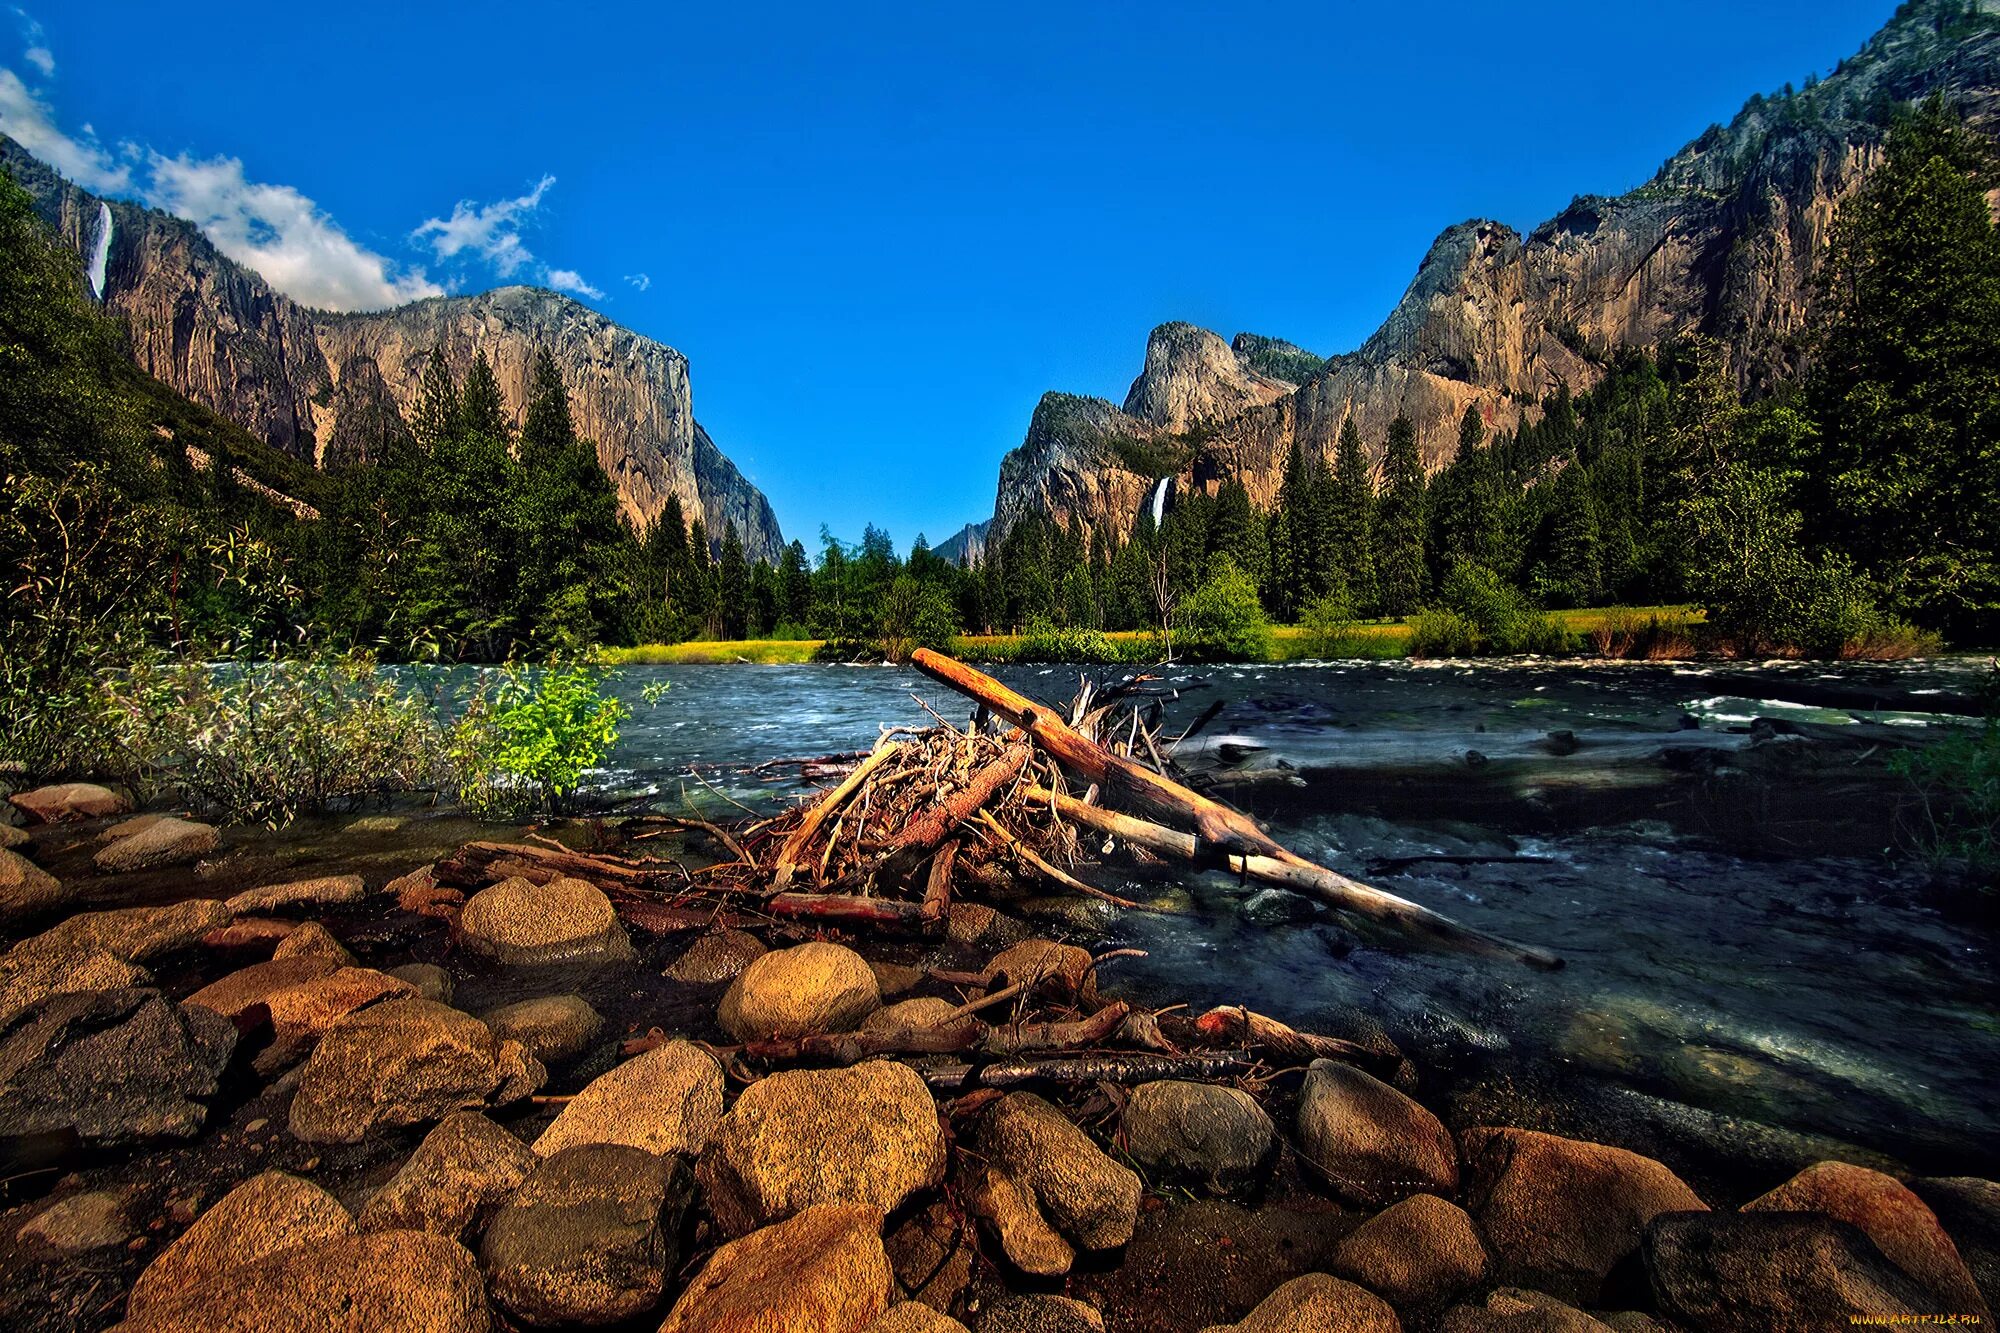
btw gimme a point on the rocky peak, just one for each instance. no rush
(1192, 376)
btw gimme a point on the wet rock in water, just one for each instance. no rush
(170, 842)
(68, 801)
(932, 1253)
(1774, 1273)
(866, 1134)
(1560, 1213)
(264, 1215)
(135, 934)
(522, 923)
(312, 940)
(1883, 1209)
(894, 978)
(11, 837)
(796, 992)
(589, 1237)
(1041, 1314)
(94, 1220)
(1015, 1219)
(112, 1066)
(1317, 1303)
(405, 1062)
(926, 1011)
(668, 1099)
(1368, 1141)
(1419, 1253)
(823, 1271)
(326, 890)
(1218, 1134)
(915, 1317)
(465, 1165)
(1276, 907)
(552, 1028)
(1088, 916)
(1091, 1199)
(972, 925)
(409, 1281)
(431, 981)
(26, 889)
(1515, 1310)
(1045, 967)
(1969, 1208)
(717, 956)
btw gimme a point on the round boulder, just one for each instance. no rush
(518, 922)
(265, 1215)
(552, 1028)
(824, 1269)
(169, 842)
(1317, 1303)
(668, 1099)
(797, 992)
(1368, 1141)
(718, 956)
(1219, 1135)
(1420, 1253)
(461, 1167)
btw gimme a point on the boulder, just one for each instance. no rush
(68, 801)
(312, 940)
(866, 1134)
(823, 1271)
(1885, 1210)
(589, 1238)
(27, 978)
(264, 1215)
(718, 956)
(915, 1317)
(1419, 1253)
(1216, 1134)
(462, 1167)
(405, 1061)
(1371, 1143)
(409, 1281)
(1316, 1303)
(11, 837)
(552, 1028)
(1560, 1213)
(324, 891)
(300, 997)
(1046, 967)
(1091, 1199)
(1514, 1310)
(1041, 1314)
(112, 1066)
(522, 923)
(972, 925)
(668, 1099)
(1767, 1272)
(919, 1013)
(170, 842)
(432, 982)
(1016, 1221)
(1969, 1208)
(78, 1224)
(134, 934)
(235, 995)
(26, 889)
(796, 992)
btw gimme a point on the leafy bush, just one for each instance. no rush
(1223, 620)
(1501, 618)
(527, 743)
(848, 651)
(1329, 624)
(272, 741)
(1045, 641)
(1957, 785)
(1653, 638)
(1441, 632)
(915, 615)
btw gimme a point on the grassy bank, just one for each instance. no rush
(1374, 639)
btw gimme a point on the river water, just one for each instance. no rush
(1741, 949)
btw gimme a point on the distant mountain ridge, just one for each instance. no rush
(299, 378)
(1722, 241)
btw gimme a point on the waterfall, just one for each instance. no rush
(1159, 501)
(100, 252)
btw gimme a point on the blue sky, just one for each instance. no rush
(880, 232)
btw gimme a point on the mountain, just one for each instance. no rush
(967, 546)
(1723, 241)
(306, 380)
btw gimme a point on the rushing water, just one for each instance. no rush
(1727, 948)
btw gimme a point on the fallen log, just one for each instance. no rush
(478, 864)
(1234, 1022)
(1114, 1067)
(936, 911)
(809, 826)
(943, 1038)
(850, 908)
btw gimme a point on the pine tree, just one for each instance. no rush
(794, 585)
(574, 542)
(483, 409)
(732, 574)
(1399, 530)
(1350, 527)
(1572, 571)
(1464, 502)
(438, 413)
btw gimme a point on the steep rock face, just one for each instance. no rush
(308, 381)
(1723, 241)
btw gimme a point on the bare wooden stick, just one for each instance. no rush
(1234, 1021)
(1048, 870)
(937, 889)
(802, 836)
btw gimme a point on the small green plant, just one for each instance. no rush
(527, 744)
(1441, 632)
(1957, 786)
(1046, 641)
(1329, 625)
(1222, 621)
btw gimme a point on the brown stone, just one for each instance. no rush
(1417, 1253)
(1317, 1303)
(262, 1216)
(170, 842)
(668, 1099)
(796, 992)
(522, 923)
(719, 955)
(26, 889)
(322, 891)
(823, 1271)
(1091, 1199)
(465, 1165)
(1368, 1141)
(68, 801)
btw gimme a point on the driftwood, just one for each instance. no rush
(788, 855)
(944, 1037)
(1235, 1023)
(1110, 1067)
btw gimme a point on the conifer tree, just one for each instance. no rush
(1350, 528)
(732, 573)
(794, 585)
(437, 415)
(1399, 529)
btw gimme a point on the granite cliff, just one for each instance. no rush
(1723, 241)
(299, 378)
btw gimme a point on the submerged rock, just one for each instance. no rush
(168, 842)
(26, 889)
(720, 955)
(1220, 1135)
(552, 1028)
(823, 1270)
(405, 1062)
(112, 1066)
(1316, 1303)
(68, 801)
(868, 1134)
(462, 1167)
(589, 1237)
(1091, 1199)
(519, 922)
(796, 992)
(1368, 1141)
(1419, 1253)
(668, 1099)
(326, 890)
(432, 982)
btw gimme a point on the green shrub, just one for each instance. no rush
(1329, 625)
(848, 651)
(1045, 641)
(1957, 786)
(1502, 619)
(915, 615)
(1441, 632)
(1222, 620)
(527, 743)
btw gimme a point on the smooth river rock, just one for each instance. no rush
(66, 802)
(1419, 1253)
(666, 1100)
(1516, 1310)
(168, 842)
(1091, 1199)
(1218, 1135)
(264, 1215)
(1316, 1303)
(522, 923)
(26, 889)
(464, 1166)
(796, 992)
(823, 1271)
(1371, 1143)
(718, 956)
(552, 1028)
(324, 891)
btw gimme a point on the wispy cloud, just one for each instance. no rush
(36, 42)
(28, 121)
(569, 280)
(640, 280)
(491, 231)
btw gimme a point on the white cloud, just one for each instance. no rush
(569, 280)
(26, 118)
(492, 231)
(282, 235)
(640, 280)
(37, 52)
